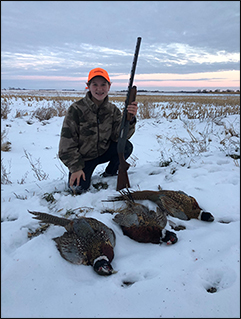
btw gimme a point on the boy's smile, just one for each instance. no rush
(99, 89)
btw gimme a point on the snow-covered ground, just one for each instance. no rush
(152, 281)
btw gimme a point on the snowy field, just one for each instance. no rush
(198, 277)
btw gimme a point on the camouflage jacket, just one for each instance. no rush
(87, 131)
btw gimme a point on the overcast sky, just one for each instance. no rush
(185, 44)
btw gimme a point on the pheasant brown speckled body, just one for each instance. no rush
(174, 203)
(87, 241)
(144, 225)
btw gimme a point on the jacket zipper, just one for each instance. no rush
(98, 133)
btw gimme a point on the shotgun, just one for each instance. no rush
(122, 179)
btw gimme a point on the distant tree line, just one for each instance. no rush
(152, 91)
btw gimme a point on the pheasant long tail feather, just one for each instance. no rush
(47, 218)
(135, 195)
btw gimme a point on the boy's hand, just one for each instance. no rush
(132, 108)
(76, 176)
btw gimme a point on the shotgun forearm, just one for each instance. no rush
(132, 98)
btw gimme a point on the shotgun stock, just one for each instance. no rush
(122, 179)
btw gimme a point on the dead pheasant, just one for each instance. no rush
(174, 203)
(143, 225)
(87, 241)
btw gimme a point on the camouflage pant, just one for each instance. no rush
(110, 156)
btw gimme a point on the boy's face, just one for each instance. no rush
(99, 89)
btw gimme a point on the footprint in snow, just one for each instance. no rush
(215, 280)
(131, 279)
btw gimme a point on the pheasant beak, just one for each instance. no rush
(106, 270)
(114, 271)
(172, 240)
(206, 216)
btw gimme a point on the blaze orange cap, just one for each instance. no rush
(98, 72)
